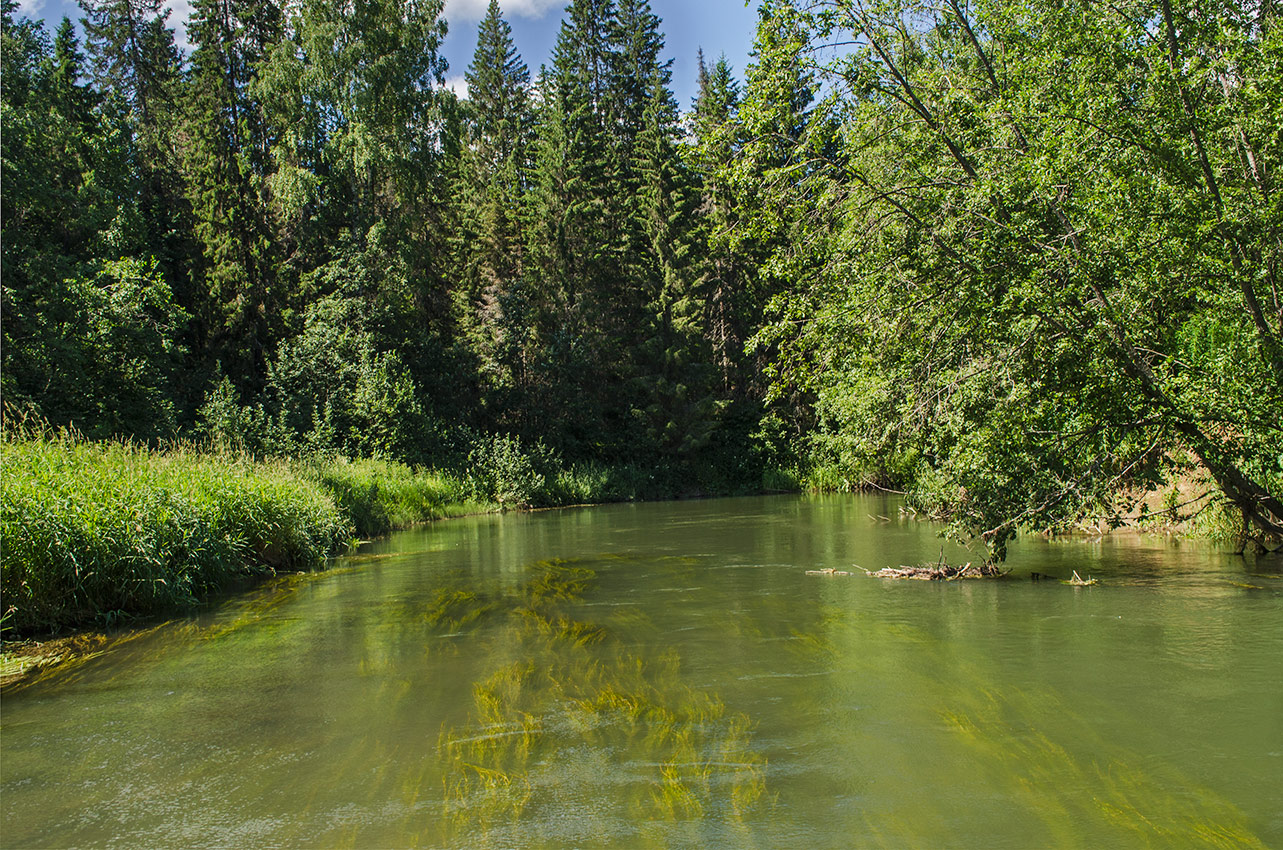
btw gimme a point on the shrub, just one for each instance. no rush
(499, 469)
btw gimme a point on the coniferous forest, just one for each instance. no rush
(1019, 259)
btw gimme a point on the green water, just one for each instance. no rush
(667, 675)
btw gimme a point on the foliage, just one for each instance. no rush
(1045, 233)
(500, 469)
(379, 496)
(1014, 258)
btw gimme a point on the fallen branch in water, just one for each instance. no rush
(1079, 581)
(827, 571)
(938, 572)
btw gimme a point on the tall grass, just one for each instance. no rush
(379, 496)
(91, 532)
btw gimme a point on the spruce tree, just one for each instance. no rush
(728, 315)
(679, 405)
(134, 60)
(133, 54)
(227, 169)
(765, 180)
(73, 97)
(491, 294)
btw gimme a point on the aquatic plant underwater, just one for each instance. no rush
(567, 700)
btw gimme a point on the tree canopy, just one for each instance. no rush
(1016, 258)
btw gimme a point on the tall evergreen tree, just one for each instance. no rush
(680, 408)
(494, 173)
(72, 96)
(774, 210)
(575, 237)
(133, 55)
(134, 60)
(730, 314)
(227, 165)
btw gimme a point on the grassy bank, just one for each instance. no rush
(379, 496)
(93, 533)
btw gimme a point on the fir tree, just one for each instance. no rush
(133, 58)
(493, 178)
(133, 54)
(680, 408)
(764, 180)
(729, 317)
(227, 166)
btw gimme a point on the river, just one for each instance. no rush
(668, 675)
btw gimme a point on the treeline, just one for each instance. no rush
(1015, 258)
(295, 239)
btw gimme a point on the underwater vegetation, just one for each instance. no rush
(566, 699)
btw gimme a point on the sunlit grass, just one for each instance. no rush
(379, 496)
(94, 532)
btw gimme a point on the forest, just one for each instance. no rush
(1017, 259)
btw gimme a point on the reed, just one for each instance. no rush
(380, 496)
(97, 532)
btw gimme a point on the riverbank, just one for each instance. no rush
(98, 533)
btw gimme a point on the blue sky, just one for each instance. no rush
(719, 26)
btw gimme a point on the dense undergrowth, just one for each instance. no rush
(95, 532)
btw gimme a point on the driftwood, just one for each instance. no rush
(828, 571)
(938, 572)
(1079, 581)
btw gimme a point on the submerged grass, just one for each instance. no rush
(561, 688)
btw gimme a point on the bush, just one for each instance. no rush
(500, 470)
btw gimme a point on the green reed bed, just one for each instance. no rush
(379, 496)
(93, 532)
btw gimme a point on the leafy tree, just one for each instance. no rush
(1036, 279)
(365, 148)
(133, 58)
(91, 330)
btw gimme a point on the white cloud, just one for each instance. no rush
(31, 8)
(475, 10)
(458, 85)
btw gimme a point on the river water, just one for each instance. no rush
(668, 675)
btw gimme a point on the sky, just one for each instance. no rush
(718, 26)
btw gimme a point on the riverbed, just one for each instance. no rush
(669, 675)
